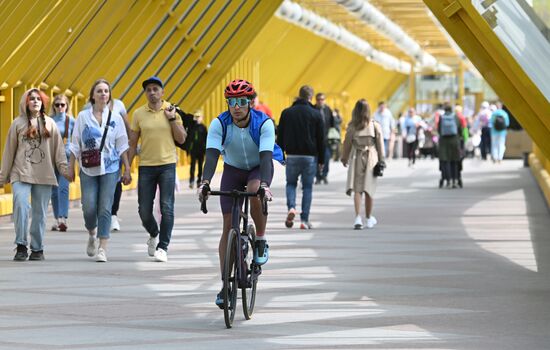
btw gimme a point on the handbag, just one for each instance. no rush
(92, 157)
(378, 170)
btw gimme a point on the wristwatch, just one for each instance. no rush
(172, 119)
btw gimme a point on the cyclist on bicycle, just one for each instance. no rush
(246, 139)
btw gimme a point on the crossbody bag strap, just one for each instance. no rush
(105, 132)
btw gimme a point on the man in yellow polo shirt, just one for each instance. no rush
(157, 125)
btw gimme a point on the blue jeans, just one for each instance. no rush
(60, 197)
(163, 176)
(40, 196)
(498, 144)
(97, 199)
(387, 148)
(323, 173)
(296, 166)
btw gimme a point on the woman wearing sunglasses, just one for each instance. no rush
(60, 194)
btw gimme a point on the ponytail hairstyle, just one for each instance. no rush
(32, 131)
(360, 115)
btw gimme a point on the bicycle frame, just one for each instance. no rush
(236, 269)
(238, 214)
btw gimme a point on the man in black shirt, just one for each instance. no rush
(328, 122)
(301, 136)
(197, 149)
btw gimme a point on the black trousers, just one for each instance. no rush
(485, 144)
(196, 160)
(449, 170)
(116, 199)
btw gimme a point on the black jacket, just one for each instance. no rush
(328, 120)
(301, 131)
(198, 135)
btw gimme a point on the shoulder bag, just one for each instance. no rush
(92, 157)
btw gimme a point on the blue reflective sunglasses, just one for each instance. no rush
(240, 101)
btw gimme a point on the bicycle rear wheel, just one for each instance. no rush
(249, 293)
(230, 279)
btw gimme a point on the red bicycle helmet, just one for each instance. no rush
(238, 88)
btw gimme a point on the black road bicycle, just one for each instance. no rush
(239, 270)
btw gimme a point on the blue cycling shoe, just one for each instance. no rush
(261, 252)
(219, 300)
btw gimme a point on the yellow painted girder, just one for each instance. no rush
(497, 66)
(289, 56)
(53, 40)
(156, 46)
(27, 23)
(232, 42)
(199, 58)
(113, 56)
(99, 20)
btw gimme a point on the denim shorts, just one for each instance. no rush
(236, 179)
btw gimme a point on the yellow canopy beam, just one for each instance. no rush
(478, 41)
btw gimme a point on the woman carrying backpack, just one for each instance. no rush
(500, 122)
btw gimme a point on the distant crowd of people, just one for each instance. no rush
(41, 151)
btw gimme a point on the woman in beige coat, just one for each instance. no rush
(363, 149)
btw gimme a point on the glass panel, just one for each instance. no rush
(521, 37)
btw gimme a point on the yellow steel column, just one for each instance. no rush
(6, 117)
(412, 89)
(460, 73)
(493, 60)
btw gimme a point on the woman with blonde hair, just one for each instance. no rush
(33, 152)
(100, 144)
(363, 150)
(60, 194)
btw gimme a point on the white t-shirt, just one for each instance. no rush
(385, 118)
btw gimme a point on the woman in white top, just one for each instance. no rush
(98, 181)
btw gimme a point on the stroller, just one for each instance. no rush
(428, 148)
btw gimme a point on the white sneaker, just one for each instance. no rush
(115, 225)
(374, 221)
(358, 224)
(101, 256)
(161, 255)
(306, 225)
(371, 222)
(91, 248)
(151, 246)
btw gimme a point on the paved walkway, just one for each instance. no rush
(443, 269)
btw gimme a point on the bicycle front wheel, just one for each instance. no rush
(249, 293)
(230, 279)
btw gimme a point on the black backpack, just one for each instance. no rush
(500, 123)
(189, 122)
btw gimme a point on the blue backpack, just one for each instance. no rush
(257, 120)
(448, 125)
